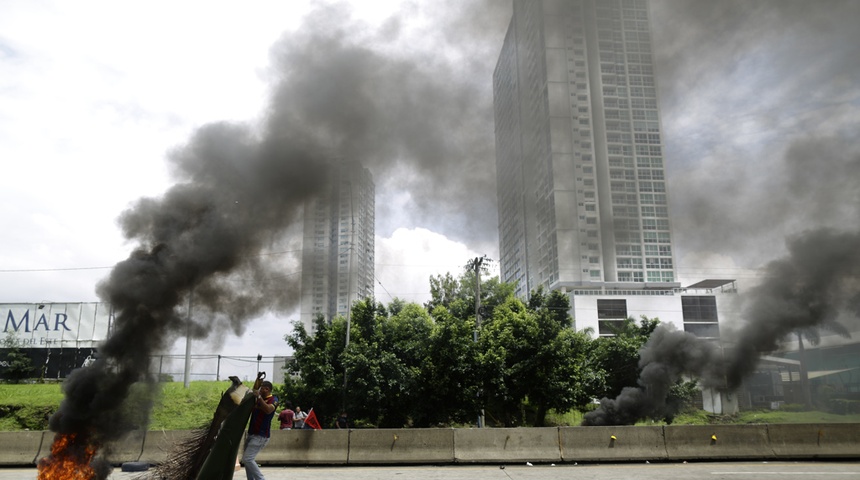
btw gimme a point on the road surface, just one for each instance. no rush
(781, 470)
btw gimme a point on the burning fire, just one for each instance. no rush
(69, 460)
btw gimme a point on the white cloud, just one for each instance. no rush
(406, 260)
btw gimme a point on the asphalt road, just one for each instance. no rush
(829, 470)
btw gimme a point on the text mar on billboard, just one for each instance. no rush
(55, 324)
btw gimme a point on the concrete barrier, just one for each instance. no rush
(717, 442)
(285, 447)
(127, 449)
(620, 443)
(401, 446)
(45, 449)
(20, 448)
(506, 445)
(815, 440)
(158, 444)
(494, 445)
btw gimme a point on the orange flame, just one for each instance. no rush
(69, 460)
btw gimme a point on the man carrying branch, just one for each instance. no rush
(259, 430)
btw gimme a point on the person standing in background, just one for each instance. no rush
(299, 418)
(287, 416)
(342, 421)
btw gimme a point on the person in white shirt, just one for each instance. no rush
(299, 418)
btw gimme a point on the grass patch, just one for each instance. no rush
(567, 419)
(174, 407)
(780, 416)
(180, 408)
(701, 417)
(28, 406)
(33, 394)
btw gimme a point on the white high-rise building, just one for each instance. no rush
(582, 192)
(579, 149)
(338, 244)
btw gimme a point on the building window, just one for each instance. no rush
(611, 315)
(699, 308)
(612, 309)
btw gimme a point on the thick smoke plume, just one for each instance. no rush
(208, 240)
(803, 293)
(666, 356)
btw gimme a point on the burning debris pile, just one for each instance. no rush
(801, 294)
(72, 459)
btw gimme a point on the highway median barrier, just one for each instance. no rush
(127, 449)
(401, 446)
(21, 448)
(506, 445)
(306, 447)
(159, 444)
(701, 442)
(491, 445)
(616, 443)
(814, 440)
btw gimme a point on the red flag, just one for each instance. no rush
(311, 420)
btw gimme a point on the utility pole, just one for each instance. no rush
(350, 261)
(187, 374)
(477, 265)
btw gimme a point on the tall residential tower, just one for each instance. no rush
(338, 244)
(579, 151)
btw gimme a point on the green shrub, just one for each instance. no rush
(34, 417)
(793, 407)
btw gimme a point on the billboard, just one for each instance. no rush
(56, 325)
(57, 337)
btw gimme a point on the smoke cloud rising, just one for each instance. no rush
(214, 242)
(666, 356)
(816, 288)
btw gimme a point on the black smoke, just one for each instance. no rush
(338, 91)
(666, 356)
(815, 289)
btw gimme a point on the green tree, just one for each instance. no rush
(450, 374)
(458, 295)
(564, 373)
(18, 366)
(444, 290)
(316, 371)
(532, 357)
(507, 341)
(384, 363)
(618, 356)
(376, 378)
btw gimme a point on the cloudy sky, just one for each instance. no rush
(759, 99)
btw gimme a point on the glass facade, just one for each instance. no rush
(338, 244)
(581, 181)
